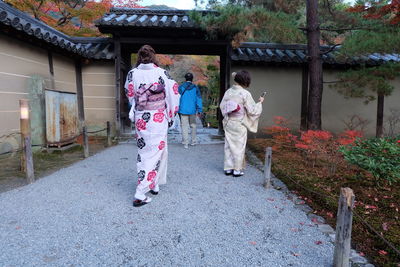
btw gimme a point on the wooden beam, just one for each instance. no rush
(117, 51)
(79, 92)
(176, 45)
(51, 69)
(225, 70)
(379, 115)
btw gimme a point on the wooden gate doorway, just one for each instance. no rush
(168, 32)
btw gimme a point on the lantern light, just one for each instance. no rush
(24, 110)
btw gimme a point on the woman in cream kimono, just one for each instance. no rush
(240, 113)
(154, 98)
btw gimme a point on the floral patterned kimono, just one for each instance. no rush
(154, 97)
(240, 113)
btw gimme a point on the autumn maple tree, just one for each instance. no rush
(73, 17)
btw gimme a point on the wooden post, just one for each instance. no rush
(379, 115)
(267, 167)
(85, 142)
(117, 52)
(79, 92)
(26, 158)
(343, 228)
(108, 134)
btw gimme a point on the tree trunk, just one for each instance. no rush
(315, 67)
(379, 115)
(304, 99)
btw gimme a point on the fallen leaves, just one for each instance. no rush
(318, 242)
(315, 220)
(253, 243)
(329, 214)
(382, 252)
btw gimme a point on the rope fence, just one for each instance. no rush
(26, 159)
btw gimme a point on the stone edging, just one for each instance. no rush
(356, 260)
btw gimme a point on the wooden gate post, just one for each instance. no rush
(267, 167)
(108, 134)
(85, 142)
(26, 158)
(343, 228)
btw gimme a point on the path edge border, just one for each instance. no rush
(356, 260)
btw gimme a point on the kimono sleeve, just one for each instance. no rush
(130, 88)
(172, 98)
(253, 109)
(253, 113)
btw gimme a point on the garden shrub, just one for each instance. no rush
(379, 156)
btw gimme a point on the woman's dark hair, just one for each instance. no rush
(243, 78)
(146, 55)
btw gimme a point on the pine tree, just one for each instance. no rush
(377, 31)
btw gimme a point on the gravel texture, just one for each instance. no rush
(83, 216)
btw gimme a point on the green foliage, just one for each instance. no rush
(379, 156)
(210, 95)
(367, 82)
(249, 24)
(378, 39)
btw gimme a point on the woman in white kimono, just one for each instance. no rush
(240, 113)
(154, 97)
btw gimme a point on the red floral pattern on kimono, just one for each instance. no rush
(140, 125)
(151, 176)
(158, 117)
(131, 92)
(175, 88)
(161, 145)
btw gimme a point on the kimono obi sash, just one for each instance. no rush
(233, 109)
(150, 97)
(237, 114)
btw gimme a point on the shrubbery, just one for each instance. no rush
(379, 156)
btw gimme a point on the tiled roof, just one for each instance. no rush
(297, 54)
(103, 48)
(140, 17)
(97, 47)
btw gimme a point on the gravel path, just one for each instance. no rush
(83, 216)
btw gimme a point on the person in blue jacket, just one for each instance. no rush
(190, 106)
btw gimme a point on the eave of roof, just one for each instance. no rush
(29, 26)
(143, 18)
(297, 54)
(103, 48)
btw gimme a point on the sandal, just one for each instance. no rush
(139, 203)
(228, 172)
(153, 192)
(237, 173)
